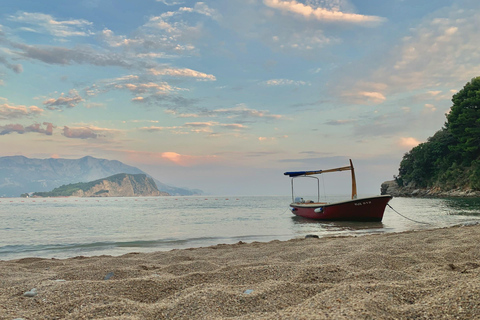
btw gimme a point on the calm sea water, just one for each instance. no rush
(69, 227)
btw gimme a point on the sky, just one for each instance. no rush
(227, 95)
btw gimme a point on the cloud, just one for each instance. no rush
(200, 127)
(48, 24)
(138, 99)
(71, 100)
(149, 87)
(234, 126)
(11, 112)
(244, 112)
(168, 157)
(17, 68)
(170, 3)
(196, 127)
(183, 115)
(445, 38)
(91, 105)
(79, 133)
(157, 128)
(265, 139)
(84, 131)
(20, 129)
(239, 111)
(430, 107)
(187, 160)
(284, 82)
(322, 14)
(169, 31)
(408, 142)
(144, 89)
(182, 72)
(374, 97)
(340, 122)
(203, 9)
(366, 92)
(67, 56)
(150, 39)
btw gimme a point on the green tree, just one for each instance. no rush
(451, 158)
(463, 122)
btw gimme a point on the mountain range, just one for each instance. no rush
(19, 174)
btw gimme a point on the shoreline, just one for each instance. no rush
(427, 274)
(391, 188)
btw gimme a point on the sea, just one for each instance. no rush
(71, 227)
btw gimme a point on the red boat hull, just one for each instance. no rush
(363, 209)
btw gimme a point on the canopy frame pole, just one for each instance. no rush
(304, 176)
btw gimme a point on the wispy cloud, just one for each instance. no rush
(322, 14)
(45, 23)
(284, 82)
(67, 56)
(202, 8)
(445, 38)
(69, 100)
(170, 3)
(17, 68)
(341, 122)
(196, 127)
(243, 111)
(239, 111)
(182, 72)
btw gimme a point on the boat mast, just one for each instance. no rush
(354, 182)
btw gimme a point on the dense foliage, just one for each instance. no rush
(451, 158)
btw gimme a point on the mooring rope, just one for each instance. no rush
(406, 217)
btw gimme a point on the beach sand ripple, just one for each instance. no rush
(431, 274)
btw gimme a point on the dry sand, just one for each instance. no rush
(430, 274)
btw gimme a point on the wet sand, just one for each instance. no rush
(432, 274)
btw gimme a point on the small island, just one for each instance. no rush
(448, 164)
(119, 185)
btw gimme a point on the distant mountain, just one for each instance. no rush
(19, 174)
(119, 185)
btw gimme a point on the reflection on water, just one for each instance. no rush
(346, 225)
(463, 206)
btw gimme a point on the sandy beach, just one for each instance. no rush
(431, 274)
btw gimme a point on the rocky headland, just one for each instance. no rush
(391, 187)
(22, 175)
(119, 185)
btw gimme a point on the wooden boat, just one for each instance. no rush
(356, 209)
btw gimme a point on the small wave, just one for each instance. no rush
(72, 249)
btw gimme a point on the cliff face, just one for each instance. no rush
(125, 185)
(119, 185)
(392, 188)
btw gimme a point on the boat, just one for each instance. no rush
(354, 209)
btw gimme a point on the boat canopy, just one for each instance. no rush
(307, 173)
(294, 174)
